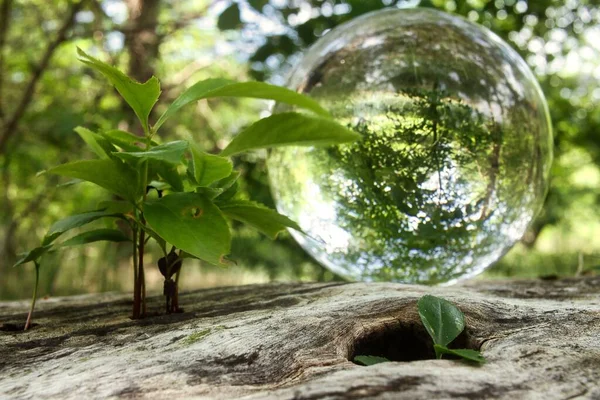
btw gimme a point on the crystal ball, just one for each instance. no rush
(454, 158)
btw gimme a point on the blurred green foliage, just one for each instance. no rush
(45, 93)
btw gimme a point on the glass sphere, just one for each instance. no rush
(454, 158)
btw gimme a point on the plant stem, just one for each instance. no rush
(35, 288)
(175, 300)
(141, 286)
(136, 279)
(141, 276)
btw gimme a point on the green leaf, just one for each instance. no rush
(369, 360)
(263, 219)
(168, 172)
(227, 182)
(125, 140)
(112, 175)
(287, 129)
(229, 193)
(465, 354)
(140, 96)
(227, 88)
(74, 221)
(192, 223)
(110, 235)
(171, 153)
(209, 192)
(442, 319)
(208, 168)
(94, 141)
(32, 255)
(230, 18)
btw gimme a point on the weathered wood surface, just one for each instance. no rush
(293, 341)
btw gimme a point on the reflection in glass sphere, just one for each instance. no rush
(455, 155)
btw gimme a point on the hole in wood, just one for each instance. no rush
(407, 341)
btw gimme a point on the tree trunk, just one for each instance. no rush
(295, 341)
(142, 40)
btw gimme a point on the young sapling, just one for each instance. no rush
(196, 191)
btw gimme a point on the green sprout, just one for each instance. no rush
(444, 322)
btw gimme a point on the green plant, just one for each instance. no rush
(175, 193)
(444, 322)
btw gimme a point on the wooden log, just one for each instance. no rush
(296, 341)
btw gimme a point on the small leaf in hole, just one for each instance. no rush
(369, 360)
(442, 319)
(444, 322)
(465, 354)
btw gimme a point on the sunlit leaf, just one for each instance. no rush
(226, 88)
(287, 129)
(192, 223)
(171, 153)
(140, 96)
(112, 175)
(263, 219)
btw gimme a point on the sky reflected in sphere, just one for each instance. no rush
(455, 155)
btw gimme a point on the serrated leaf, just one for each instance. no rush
(442, 319)
(192, 223)
(97, 235)
(369, 360)
(208, 168)
(141, 97)
(465, 354)
(112, 175)
(171, 153)
(230, 18)
(32, 255)
(260, 217)
(74, 221)
(226, 88)
(97, 143)
(290, 129)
